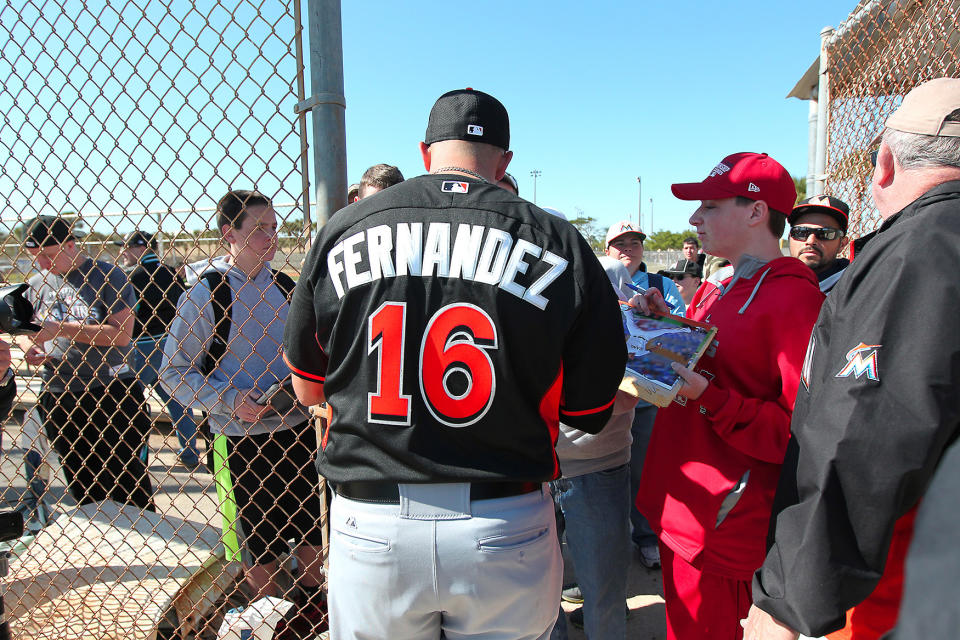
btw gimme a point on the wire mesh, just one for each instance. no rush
(138, 116)
(884, 49)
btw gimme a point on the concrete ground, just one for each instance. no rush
(644, 599)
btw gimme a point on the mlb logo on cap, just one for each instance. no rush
(451, 186)
(474, 129)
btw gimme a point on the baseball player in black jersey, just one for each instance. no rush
(450, 326)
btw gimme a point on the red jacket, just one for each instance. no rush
(713, 464)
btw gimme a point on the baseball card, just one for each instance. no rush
(653, 344)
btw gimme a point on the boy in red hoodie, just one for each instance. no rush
(715, 453)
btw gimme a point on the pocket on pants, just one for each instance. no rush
(362, 543)
(512, 541)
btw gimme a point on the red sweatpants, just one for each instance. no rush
(877, 615)
(700, 604)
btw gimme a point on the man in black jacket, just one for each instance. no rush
(158, 288)
(879, 401)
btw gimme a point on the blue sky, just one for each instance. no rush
(598, 93)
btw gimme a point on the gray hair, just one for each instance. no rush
(916, 151)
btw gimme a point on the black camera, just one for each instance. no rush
(16, 312)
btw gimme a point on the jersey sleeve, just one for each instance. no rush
(301, 346)
(595, 352)
(881, 407)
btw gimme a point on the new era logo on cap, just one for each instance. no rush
(452, 186)
(753, 187)
(474, 129)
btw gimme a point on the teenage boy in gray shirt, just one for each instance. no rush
(91, 403)
(270, 456)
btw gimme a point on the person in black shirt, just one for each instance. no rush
(90, 404)
(158, 288)
(450, 326)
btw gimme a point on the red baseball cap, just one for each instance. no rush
(756, 176)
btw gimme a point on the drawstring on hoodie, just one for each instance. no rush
(753, 293)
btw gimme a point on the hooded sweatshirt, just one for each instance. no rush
(713, 463)
(580, 452)
(252, 359)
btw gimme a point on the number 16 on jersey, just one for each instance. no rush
(456, 374)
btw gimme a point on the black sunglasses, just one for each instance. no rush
(873, 157)
(822, 233)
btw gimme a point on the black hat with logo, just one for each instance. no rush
(467, 114)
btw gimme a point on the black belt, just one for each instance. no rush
(389, 492)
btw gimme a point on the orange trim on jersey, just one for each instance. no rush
(588, 411)
(549, 411)
(303, 374)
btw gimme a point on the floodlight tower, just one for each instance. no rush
(535, 174)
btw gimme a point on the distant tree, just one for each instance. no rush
(663, 239)
(292, 227)
(800, 182)
(587, 226)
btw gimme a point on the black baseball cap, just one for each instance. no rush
(138, 239)
(685, 267)
(833, 207)
(44, 231)
(467, 114)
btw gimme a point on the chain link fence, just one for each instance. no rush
(126, 116)
(884, 49)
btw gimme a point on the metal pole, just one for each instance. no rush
(639, 202)
(159, 237)
(651, 215)
(307, 235)
(327, 106)
(812, 119)
(536, 174)
(823, 114)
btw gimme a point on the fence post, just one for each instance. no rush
(327, 105)
(823, 117)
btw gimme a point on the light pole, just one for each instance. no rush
(536, 174)
(639, 202)
(651, 215)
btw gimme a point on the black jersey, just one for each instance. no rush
(453, 325)
(158, 289)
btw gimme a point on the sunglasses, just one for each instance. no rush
(873, 157)
(821, 233)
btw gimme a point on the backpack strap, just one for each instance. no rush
(221, 299)
(655, 280)
(285, 282)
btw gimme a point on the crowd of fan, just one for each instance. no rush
(700, 488)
